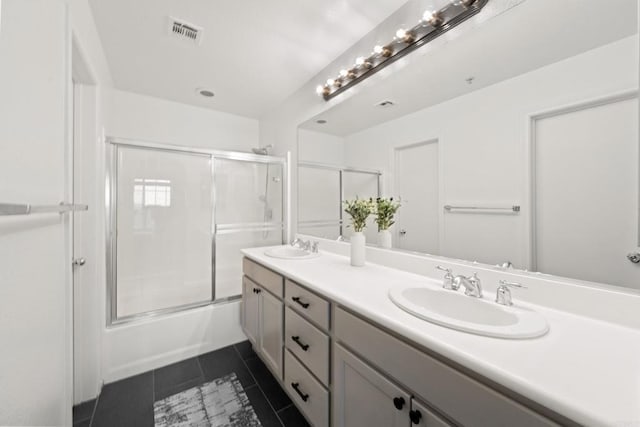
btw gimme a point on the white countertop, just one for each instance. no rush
(585, 369)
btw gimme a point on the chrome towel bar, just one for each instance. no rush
(10, 209)
(514, 208)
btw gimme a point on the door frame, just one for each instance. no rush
(396, 185)
(530, 162)
(85, 385)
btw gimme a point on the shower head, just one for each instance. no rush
(264, 151)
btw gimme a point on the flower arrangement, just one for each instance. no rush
(359, 210)
(385, 209)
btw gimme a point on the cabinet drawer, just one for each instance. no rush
(310, 396)
(273, 282)
(308, 343)
(436, 383)
(308, 304)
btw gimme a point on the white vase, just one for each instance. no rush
(358, 249)
(384, 239)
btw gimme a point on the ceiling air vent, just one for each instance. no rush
(185, 31)
(385, 104)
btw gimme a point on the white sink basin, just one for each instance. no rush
(289, 252)
(477, 316)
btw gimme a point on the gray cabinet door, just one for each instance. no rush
(364, 398)
(421, 416)
(271, 330)
(250, 311)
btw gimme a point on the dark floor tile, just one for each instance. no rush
(265, 413)
(171, 379)
(125, 403)
(269, 385)
(291, 417)
(245, 348)
(170, 391)
(83, 411)
(83, 423)
(223, 362)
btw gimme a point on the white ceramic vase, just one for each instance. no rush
(358, 249)
(384, 239)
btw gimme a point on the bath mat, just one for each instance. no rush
(218, 403)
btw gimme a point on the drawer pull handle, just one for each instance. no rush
(415, 416)
(303, 304)
(296, 387)
(256, 290)
(398, 402)
(296, 338)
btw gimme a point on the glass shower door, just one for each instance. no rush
(249, 213)
(164, 229)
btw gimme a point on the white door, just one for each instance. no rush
(362, 397)
(586, 193)
(417, 185)
(35, 250)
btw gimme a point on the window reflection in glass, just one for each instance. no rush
(151, 192)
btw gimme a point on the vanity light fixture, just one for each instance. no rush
(406, 40)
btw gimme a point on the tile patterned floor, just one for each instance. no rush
(129, 402)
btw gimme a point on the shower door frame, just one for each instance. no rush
(111, 194)
(341, 171)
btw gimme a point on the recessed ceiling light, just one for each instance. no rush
(205, 92)
(321, 121)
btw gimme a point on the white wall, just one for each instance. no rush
(483, 146)
(35, 251)
(320, 147)
(141, 117)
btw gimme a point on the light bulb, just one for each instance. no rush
(383, 51)
(344, 73)
(432, 18)
(320, 90)
(401, 33)
(360, 61)
(331, 82)
(428, 16)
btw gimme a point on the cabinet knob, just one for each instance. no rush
(398, 402)
(415, 416)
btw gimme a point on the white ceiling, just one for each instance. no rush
(530, 35)
(255, 53)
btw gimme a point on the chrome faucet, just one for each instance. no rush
(472, 285)
(503, 294)
(447, 280)
(308, 245)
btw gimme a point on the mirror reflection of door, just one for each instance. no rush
(586, 192)
(417, 185)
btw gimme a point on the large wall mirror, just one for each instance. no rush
(515, 141)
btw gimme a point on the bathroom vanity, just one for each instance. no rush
(347, 356)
